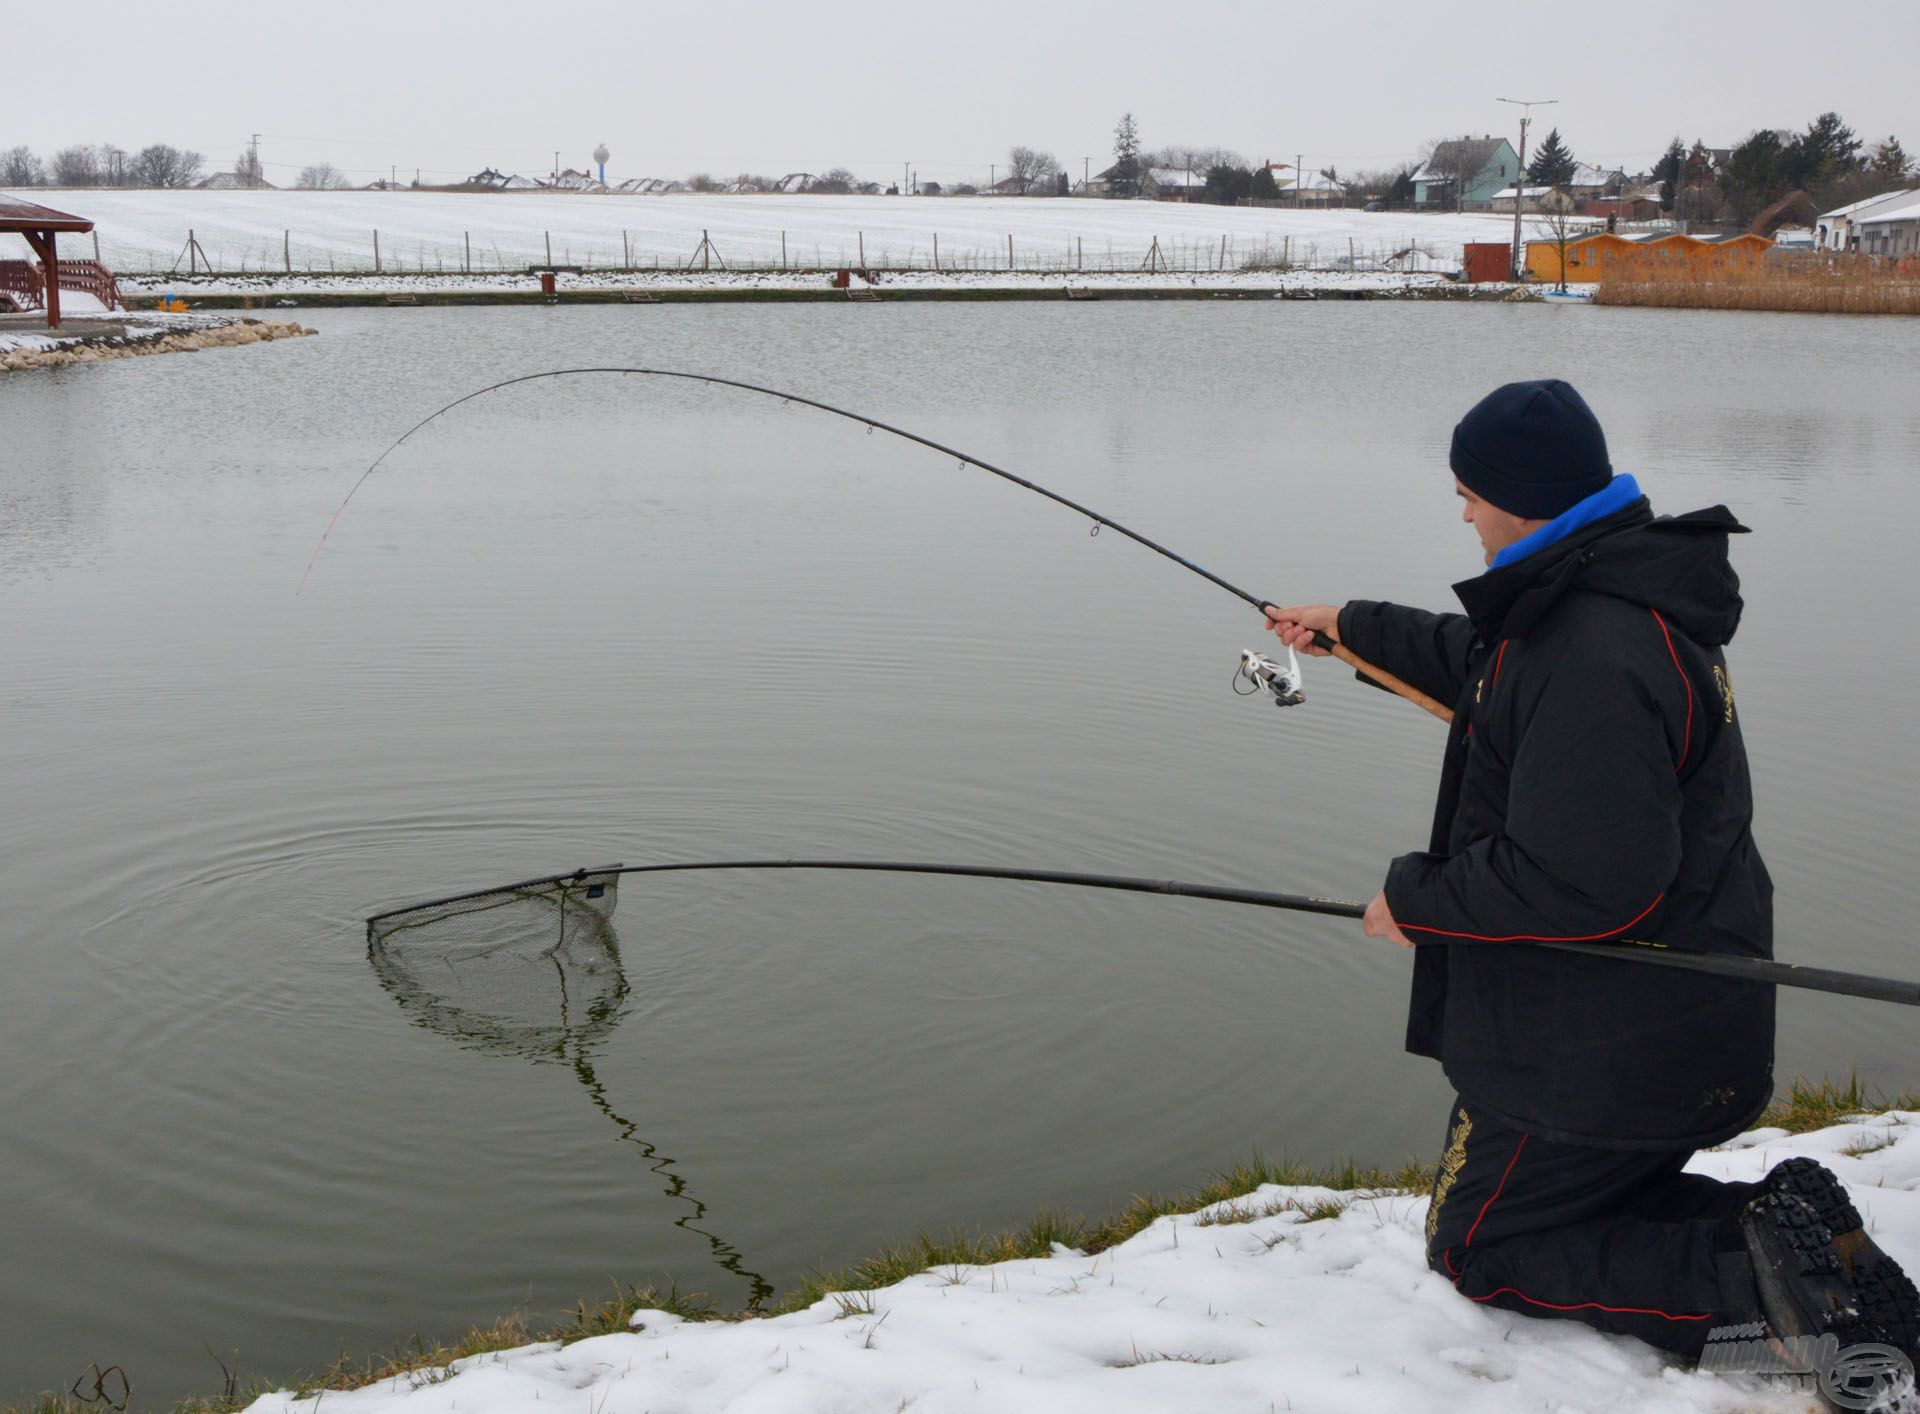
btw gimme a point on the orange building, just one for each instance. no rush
(1607, 255)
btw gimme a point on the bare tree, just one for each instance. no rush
(1182, 157)
(837, 182)
(20, 168)
(322, 176)
(163, 166)
(76, 167)
(247, 167)
(1027, 168)
(1556, 225)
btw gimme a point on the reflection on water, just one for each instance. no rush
(532, 970)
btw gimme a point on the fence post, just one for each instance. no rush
(1350, 249)
(549, 236)
(783, 250)
(1009, 250)
(376, 251)
(193, 261)
(936, 252)
(626, 252)
(862, 236)
(1223, 252)
(286, 249)
(1079, 254)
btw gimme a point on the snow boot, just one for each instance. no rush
(1809, 1293)
(1887, 1294)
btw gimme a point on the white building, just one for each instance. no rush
(1891, 231)
(1838, 229)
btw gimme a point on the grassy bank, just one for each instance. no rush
(1805, 1105)
(1850, 285)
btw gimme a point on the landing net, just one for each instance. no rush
(531, 969)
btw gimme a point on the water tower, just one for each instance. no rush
(600, 155)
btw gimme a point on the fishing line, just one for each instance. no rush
(873, 424)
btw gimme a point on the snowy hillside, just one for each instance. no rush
(142, 231)
(1263, 1303)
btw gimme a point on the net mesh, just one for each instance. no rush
(532, 969)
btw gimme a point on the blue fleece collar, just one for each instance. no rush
(1616, 495)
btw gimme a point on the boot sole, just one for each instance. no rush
(1887, 1297)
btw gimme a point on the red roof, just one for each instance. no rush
(18, 215)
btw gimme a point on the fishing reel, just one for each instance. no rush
(1262, 673)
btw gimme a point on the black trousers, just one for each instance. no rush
(1620, 1240)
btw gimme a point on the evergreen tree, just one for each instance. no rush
(1668, 169)
(1552, 165)
(1126, 157)
(1226, 184)
(1264, 186)
(1756, 173)
(1827, 149)
(1890, 160)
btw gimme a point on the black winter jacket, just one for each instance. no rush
(1595, 787)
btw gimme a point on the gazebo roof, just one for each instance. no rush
(17, 215)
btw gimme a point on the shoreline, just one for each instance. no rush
(1333, 1224)
(640, 286)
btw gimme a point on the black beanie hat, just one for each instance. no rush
(1533, 449)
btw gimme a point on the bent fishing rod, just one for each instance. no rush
(1265, 675)
(1745, 969)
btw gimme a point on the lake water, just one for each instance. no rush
(602, 619)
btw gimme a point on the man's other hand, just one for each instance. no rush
(1297, 626)
(1379, 922)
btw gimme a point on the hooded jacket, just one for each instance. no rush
(1595, 787)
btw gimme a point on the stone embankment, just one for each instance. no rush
(132, 340)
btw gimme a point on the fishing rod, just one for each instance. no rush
(1746, 969)
(1262, 672)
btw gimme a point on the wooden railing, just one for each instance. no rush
(90, 277)
(22, 286)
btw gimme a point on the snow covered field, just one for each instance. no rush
(1208, 1311)
(906, 282)
(146, 231)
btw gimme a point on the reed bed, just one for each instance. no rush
(1848, 285)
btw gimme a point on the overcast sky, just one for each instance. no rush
(674, 88)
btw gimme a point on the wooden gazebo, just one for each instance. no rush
(42, 226)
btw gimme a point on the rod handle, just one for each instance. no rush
(1392, 684)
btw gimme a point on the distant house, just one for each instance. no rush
(519, 183)
(1306, 187)
(650, 186)
(1891, 231)
(487, 177)
(232, 181)
(1838, 229)
(794, 182)
(1155, 183)
(571, 180)
(1464, 173)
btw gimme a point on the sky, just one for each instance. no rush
(755, 86)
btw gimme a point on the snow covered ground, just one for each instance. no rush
(146, 231)
(270, 286)
(1280, 1312)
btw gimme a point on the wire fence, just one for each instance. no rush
(231, 255)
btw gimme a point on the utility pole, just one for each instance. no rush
(1526, 107)
(1298, 158)
(1086, 174)
(253, 161)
